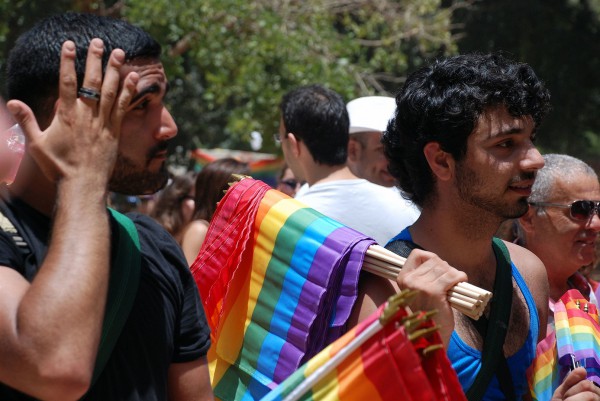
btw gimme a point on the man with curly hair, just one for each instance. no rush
(461, 144)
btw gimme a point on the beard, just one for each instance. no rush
(130, 178)
(475, 190)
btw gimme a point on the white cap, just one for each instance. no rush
(370, 113)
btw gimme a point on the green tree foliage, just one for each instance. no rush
(560, 39)
(232, 60)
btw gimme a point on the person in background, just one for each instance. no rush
(88, 92)
(146, 204)
(286, 182)
(211, 182)
(175, 205)
(369, 117)
(314, 134)
(461, 146)
(562, 224)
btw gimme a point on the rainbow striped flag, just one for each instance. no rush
(375, 361)
(575, 342)
(278, 282)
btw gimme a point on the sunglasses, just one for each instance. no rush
(579, 210)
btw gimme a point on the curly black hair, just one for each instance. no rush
(442, 103)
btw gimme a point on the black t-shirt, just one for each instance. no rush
(166, 323)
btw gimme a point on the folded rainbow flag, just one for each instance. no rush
(575, 342)
(375, 361)
(278, 281)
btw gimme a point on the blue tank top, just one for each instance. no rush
(466, 360)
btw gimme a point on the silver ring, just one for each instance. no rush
(89, 93)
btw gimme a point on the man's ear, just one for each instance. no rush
(441, 163)
(354, 149)
(294, 144)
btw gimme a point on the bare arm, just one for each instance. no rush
(373, 291)
(423, 271)
(534, 273)
(192, 239)
(190, 381)
(50, 329)
(433, 278)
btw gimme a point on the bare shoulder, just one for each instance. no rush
(196, 227)
(533, 271)
(373, 291)
(192, 239)
(529, 265)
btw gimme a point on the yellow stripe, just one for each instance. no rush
(235, 324)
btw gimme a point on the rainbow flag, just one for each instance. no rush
(375, 361)
(575, 342)
(263, 166)
(278, 282)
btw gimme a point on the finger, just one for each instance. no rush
(576, 383)
(416, 258)
(110, 85)
(425, 268)
(67, 87)
(440, 273)
(124, 100)
(93, 69)
(23, 115)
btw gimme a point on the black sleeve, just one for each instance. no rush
(191, 333)
(193, 338)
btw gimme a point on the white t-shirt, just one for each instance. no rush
(371, 209)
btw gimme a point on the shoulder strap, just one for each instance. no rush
(122, 288)
(8, 227)
(492, 358)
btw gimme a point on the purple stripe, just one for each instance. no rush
(308, 334)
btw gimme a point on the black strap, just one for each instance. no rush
(492, 359)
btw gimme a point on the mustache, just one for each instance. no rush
(522, 177)
(158, 148)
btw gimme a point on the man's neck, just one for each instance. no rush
(464, 242)
(320, 173)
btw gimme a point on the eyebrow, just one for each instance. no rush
(154, 88)
(509, 131)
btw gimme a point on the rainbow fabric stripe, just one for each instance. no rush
(576, 340)
(387, 366)
(263, 166)
(278, 282)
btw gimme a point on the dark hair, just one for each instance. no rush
(318, 117)
(442, 102)
(167, 209)
(211, 181)
(34, 62)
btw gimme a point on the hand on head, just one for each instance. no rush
(82, 139)
(433, 278)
